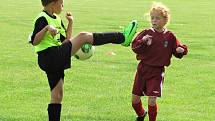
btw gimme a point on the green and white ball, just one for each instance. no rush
(85, 52)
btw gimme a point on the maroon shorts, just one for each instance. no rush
(148, 81)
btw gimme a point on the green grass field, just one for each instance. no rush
(99, 89)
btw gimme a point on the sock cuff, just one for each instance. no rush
(53, 106)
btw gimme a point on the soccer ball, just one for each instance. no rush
(85, 52)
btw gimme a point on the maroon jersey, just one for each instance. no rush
(159, 53)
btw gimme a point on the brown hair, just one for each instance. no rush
(46, 2)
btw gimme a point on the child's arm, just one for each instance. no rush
(69, 26)
(141, 42)
(180, 50)
(39, 36)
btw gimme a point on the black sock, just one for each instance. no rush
(54, 111)
(108, 37)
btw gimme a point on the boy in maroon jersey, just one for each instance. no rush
(154, 48)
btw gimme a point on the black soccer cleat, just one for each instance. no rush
(142, 117)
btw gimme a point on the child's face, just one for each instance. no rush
(157, 20)
(58, 6)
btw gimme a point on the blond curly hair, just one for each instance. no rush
(160, 8)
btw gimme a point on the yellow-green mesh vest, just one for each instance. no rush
(48, 40)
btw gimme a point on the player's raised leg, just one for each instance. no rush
(102, 38)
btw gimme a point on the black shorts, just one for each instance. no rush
(54, 60)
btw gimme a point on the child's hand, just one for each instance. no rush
(147, 39)
(52, 30)
(179, 50)
(69, 16)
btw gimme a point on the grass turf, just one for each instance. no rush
(99, 89)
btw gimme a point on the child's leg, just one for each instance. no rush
(96, 39)
(54, 108)
(152, 108)
(137, 106)
(124, 38)
(57, 93)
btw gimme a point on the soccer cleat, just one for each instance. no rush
(142, 117)
(129, 32)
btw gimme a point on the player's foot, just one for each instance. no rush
(142, 117)
(129, 32)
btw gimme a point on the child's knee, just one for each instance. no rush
(57, 97)
(135, 99)
(83, 33)
(81, 38)
(152, 101)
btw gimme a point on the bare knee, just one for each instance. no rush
(85, 36)
(152, 101)
(57, 93)
(83, 33)
(135, 99)
(57, 96)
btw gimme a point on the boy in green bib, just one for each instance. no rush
(54, 44)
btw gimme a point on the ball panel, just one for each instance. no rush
(85, 52)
